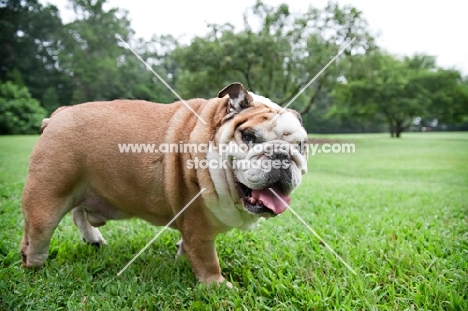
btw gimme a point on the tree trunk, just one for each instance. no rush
(311, 100)
(398, 129)
(391, 129)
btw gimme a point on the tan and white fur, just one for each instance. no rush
(76, 167)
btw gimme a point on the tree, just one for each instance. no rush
(29, 41)
(19, 113)
(90, 51)
(50, 100)
(399, 90)
(82, 60)
(139, 81)
(447, 93)
(276, 59)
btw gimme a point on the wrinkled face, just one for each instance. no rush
(266, 152)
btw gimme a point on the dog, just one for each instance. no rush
(76, 166)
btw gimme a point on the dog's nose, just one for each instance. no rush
(280, 155)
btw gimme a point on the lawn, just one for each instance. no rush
(396, 211)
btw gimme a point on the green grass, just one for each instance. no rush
(396, 211)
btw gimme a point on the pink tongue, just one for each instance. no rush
(271, 201)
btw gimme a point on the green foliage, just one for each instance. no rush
(447, 94)
(91, 49)
(50, 100)
(275, 54)
(83, 60)
(19, 113)
(400, 90)
(139, 82)
(275, 59)
(30, 37)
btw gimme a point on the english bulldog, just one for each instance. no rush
(79, 165)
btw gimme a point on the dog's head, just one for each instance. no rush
(265, 148)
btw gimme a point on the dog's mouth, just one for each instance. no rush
(263, 202)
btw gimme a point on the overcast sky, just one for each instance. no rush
(437, 28)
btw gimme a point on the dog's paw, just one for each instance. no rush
(95, 244)
(228, 284)
(217, 281)
(94, 237)
(180, 248)
(33, 261)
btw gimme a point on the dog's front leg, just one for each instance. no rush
(202, 255)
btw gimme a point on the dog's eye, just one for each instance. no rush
(301, 146)
(248, 137)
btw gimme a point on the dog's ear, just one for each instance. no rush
(239, 98)
(297, 114)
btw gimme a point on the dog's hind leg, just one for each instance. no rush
(41, 216)
(90, 234)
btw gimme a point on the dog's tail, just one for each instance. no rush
(46, 121)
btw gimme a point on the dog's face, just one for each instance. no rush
(265, 150)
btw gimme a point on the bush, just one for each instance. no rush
(19, 113)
